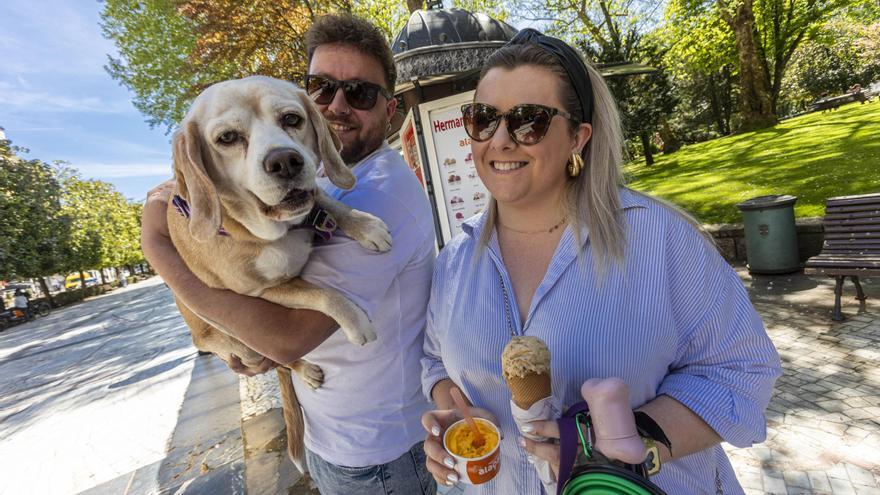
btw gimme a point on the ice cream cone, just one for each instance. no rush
(529, 389)
(525, 363)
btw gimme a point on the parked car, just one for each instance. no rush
(72, 281)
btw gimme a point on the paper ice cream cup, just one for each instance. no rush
(478, 469)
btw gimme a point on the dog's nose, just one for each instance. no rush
(284, 163)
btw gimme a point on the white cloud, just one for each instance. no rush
(118, 170)
(41, 101)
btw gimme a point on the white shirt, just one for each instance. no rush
(369, 409)
(20, 302)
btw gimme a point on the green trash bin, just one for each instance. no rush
(771, 234)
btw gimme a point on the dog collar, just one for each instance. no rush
(182, 207)
(319, 219)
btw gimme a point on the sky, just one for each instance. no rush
(57, 100)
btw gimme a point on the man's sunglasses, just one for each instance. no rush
(527, 124)
(360, 95)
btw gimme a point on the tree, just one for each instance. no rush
(757, 108)
(170, 50)
(610, 31)
(702, 59)
(32, 230)
(767, 34)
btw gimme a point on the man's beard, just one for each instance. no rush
(361, 146)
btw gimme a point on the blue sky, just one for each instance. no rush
(57, 100)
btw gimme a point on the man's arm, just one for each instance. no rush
(281, 334)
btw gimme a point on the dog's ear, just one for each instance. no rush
(328, 146)
(193, 183)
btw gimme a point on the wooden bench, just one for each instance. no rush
(852, 244)
(832, 102)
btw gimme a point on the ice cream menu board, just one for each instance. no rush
(452, 170)
(410, 148)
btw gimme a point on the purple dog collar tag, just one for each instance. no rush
(322, 222)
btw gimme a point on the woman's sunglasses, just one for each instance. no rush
(360, 95)
(527, 124)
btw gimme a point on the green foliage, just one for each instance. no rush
(839, 55)
(32, 229)
(104, 228)
(170, 50)
(813, 157)
(154, 43)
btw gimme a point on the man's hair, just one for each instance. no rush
(359, 34)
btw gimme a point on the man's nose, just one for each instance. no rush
(339, 105)
(283, 163)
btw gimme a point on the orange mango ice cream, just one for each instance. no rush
(460, 440)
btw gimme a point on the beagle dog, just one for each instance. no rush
(245, 161)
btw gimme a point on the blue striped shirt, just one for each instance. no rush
(672, 319)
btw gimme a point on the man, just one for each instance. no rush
(363, 431)
(21, 302)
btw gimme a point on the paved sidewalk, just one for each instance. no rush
(108, 396)
(824, 418)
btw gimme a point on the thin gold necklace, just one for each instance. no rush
(533, 232)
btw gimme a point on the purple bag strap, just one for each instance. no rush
(568, 442)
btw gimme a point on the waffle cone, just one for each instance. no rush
(529, 389)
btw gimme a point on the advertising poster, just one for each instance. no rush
(452, 167)
(409, 144)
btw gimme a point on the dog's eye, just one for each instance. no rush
(228, 137)
(290, 120)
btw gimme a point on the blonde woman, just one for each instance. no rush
(616, 283)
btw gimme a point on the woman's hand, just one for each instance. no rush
(440, 463)
(543, 450)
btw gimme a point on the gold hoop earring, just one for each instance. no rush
(575, 165)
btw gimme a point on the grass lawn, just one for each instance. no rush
(813, 157)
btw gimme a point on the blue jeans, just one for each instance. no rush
(406, 475)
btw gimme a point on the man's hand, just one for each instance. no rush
(237, 366)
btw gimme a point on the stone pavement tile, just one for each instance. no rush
(774, 483)
(796, 479)
(819, 481)
(866, 490)
(842, 487)
(750, 480)
(860, 476)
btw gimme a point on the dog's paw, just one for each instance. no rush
(310, 374)
(369, 231)
(361, 335)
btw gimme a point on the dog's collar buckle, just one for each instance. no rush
(322, 222)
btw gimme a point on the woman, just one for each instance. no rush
(616, 283)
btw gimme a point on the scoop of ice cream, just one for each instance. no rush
(526, 355)
(460, 440)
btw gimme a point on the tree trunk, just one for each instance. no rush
(414, 5)
(715, 105)
(757, 110)
(103, 279)
(646, 145)
(671, 144)
(45, 287)
(82, 284)
(727, 100)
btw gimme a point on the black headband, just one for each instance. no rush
(569, 59)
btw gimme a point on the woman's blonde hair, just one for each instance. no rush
(593, 197)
